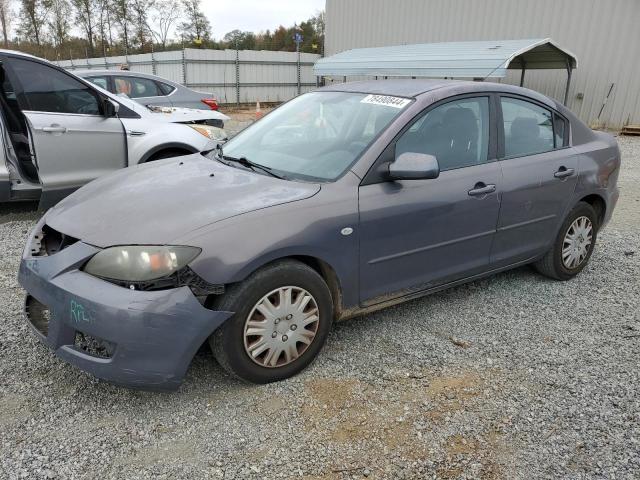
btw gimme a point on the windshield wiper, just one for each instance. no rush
(245, 162)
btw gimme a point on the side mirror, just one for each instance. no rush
(110, 107)
(414, 166)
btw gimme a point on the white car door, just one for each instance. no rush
(73, 139)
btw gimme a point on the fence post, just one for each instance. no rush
(153, 64)
(237, 75)
(184, 68)
(298, 66)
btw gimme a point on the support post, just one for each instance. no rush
(524, 68)
(566, 91)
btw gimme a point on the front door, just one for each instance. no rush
(418, 234)
(73, 141)
(540, 175)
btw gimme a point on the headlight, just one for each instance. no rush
(139, 263)
(214, 133)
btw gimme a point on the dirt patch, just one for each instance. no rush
(406, 424)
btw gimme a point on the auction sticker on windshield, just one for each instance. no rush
(386, 100)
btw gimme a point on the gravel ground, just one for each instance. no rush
(516, 376)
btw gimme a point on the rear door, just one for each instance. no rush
(540, 173)
(73, 141)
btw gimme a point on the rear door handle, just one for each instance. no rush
(55, 129)
(564, 172)
(482, 189)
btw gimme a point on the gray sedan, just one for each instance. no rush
(342, 201)
(149, 89)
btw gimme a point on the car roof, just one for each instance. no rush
(400, 87)
(124, 73)
(412, 88)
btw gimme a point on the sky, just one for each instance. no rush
(257, 15)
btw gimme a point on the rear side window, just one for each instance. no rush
(47, 89)
(456, 133)
(528, 128)
(136, 87)
(165, 88)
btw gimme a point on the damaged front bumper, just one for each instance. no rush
(141, 339)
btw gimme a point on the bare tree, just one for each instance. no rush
(139, 14)
(85, 11)
(33, 19)
(58, 20)
(164, 16)
(121, 15)
(196, 24)
(6, 18)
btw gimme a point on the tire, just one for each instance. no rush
(230, 344)
(552, 264)
(168, 153)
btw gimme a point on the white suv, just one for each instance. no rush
(59, 131)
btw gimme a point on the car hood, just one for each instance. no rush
(182, 115)
(167, 114)
(158, 202)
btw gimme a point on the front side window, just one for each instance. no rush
(101, 82)
(47, 89)
(136, 87)
(316, 136)
(528, 128)
(456, 133)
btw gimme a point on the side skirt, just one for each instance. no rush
(385, 301)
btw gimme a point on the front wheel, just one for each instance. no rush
(283, 314)
(573, 246)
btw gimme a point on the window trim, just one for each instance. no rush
(500, 125)
(375, 174)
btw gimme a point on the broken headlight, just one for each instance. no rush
(138, 263)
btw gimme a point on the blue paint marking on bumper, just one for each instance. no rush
(156, 334)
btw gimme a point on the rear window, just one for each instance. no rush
(528, 128)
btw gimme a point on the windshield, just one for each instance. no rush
(316, 136)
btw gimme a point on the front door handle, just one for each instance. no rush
(482, 189)
(55, 129)
(564, 172)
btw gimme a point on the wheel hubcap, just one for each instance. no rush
(577, 242)
(281, 326)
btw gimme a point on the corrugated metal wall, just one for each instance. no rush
(603, 34)
(263, 76)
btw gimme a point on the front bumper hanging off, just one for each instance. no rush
(142, 339)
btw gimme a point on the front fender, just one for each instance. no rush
(145, 136)
(234, 248)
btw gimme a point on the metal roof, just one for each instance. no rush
(481, 59)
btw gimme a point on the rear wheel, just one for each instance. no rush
(573, 246)
(283, 314)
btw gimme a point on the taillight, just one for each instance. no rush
(212, 103)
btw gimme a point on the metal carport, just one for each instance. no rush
(478, 60)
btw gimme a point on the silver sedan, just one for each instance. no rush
(149, 89)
